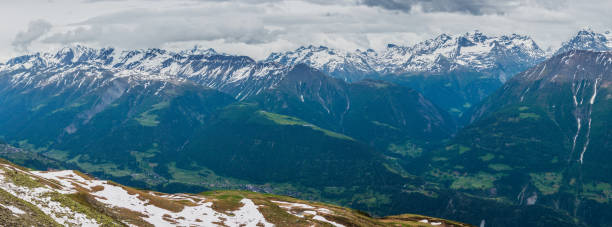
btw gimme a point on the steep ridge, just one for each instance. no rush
(541, 139)
(70, 198)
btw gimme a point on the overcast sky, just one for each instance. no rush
(258, 27)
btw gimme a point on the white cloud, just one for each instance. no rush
(258, 27)
(142, 28)
(35, 30)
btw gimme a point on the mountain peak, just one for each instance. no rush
(443, 37)
(73, 53)
(200, 50)
(588, 39)
(586, 30)
(476, 36)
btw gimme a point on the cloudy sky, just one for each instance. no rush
(258, 27)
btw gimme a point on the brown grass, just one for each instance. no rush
(169, 219)
(130, 216)
(97, 188)
(157, 201)
(221, 223)
(83, 175)
(80, 188)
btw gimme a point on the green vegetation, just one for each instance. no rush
(439, 159)
(458, 147)
(289, 120)
(38, 107)
(141, 157)
(379, 85)
(226, 202)
(107, 168)
(393, 165)
(371, 198)
(71, 106)
(334, 190)
(384, 125)
(499, 167)
(24, 144)
(32, 215)
(197, 175)
(455, 111)
(57, 155)
(529, 116)
(547, 183)
(487, 157)
(149, 119)
(20, 179)
(407, 149)
(480, 181)
(599, 192)
(90, 212)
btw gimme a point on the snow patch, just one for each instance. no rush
(13, 209)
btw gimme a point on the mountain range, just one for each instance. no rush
(504, 55)
(442, 128)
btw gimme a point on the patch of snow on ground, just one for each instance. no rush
(310, 211)
(320, 218)
(247, 215)
(36, 196)
(13, 209)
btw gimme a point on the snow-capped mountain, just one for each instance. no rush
(471, 51)
(239, 76)
(475, 51)
(342, 64)
(587, 39)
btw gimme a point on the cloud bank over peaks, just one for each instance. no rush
(35, 30)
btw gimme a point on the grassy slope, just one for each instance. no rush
(222, 201)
